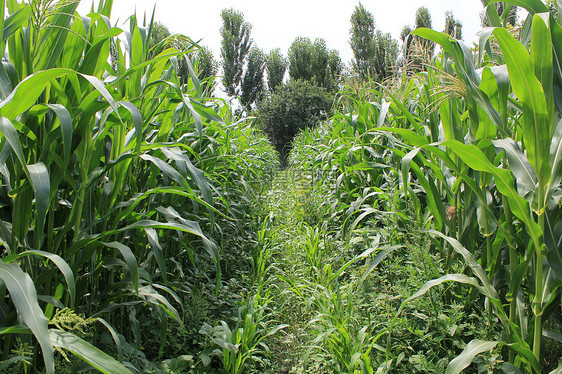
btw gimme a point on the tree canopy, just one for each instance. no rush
(315, 63)
(276, 66)
(253, 81)
(235, 46)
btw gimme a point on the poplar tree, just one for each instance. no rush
(315, 63)
(276, 66)
(253, 81)
(235, 46)
(375, 52)
(362, 42)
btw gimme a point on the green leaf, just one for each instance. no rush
(536, 126)
(15, 21)
(475, 159)
(42, 186)
(66, 128)
(28, 91)
(9, 131)
(87, 352)
(24, 296)
(59, 262)
(518, 163)
(130, 260)
(472, 349)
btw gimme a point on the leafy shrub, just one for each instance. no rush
(296, 106)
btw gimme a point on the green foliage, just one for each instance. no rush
(122, 171)
(253, 83)
(235, 46)
(276, 66)
(313, 62)
(207, 67)
(362, 41)
(294, 107)
(375, 52)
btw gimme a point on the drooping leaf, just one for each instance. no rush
(87, 352)
(24, 296)
(472, 349)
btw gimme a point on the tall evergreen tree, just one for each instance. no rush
(276, 66)
(253, 81)
(235, 46)
(406, 43)
(362, 42)
(375, 52)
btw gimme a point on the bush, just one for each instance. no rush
(296, 106)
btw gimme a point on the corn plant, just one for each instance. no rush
(104, 161)
(495, 159)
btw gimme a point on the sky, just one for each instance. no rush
(276, 24)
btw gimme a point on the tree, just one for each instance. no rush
(406, 43)
(375, 52)
(158, 34)
(207, 68)
(253, 83)
(292, 107)
(276, 66)
(423, 48)
(362, 41)
(314, 63)
(235, 46)
(300, 59)
(453, 27)
(386, 53)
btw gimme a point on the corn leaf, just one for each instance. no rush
(87, 352)
(24, 296)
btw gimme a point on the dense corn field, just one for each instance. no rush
(145, 228)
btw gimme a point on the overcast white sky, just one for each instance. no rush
(275, 24)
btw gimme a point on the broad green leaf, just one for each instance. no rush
(115, 337)
(130, 260)
(518, 163)
(536, 126)
(472, 349)
(28, 91)
(24, 296)
(555, 158)
(87, 352)
(66, 128)
(475, 159)
(553, 241)
(533, 6)
(137, 121)
(152, 237)
(59, 262)
(15, 21)
(541, 56)
(42, 187)
(16, 329)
